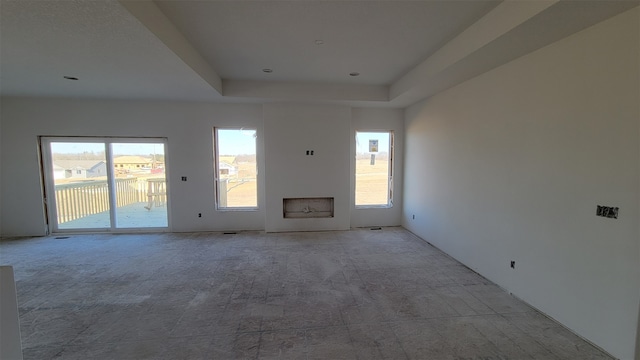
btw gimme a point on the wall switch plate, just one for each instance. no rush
(184, 178)
(607, 211)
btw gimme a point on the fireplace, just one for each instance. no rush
(303, 208)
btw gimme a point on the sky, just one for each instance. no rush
(236, 141)
(97, 147)
(232, 142)
(362, 141)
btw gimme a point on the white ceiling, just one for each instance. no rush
(100, 42)
(381, 40)
(216, 50)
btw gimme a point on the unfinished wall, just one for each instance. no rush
(511, 165)
(188, 127)
(291, 130)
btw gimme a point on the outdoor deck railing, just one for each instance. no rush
(77, 200)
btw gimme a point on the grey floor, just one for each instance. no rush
(360, 294)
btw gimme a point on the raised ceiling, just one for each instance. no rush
(403, 51)
(382, 40)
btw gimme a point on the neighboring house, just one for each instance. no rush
(227, 169)
(134, 163)
(79, 168)
(227, 166)
(58, 172)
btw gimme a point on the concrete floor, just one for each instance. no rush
(359, 294)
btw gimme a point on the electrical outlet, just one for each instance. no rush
(607, 211)
(513, 264)
(199, 214)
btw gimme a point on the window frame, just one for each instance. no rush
(390, 170)
(216, 175)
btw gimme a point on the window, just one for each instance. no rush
(374, 169)
(236, 169)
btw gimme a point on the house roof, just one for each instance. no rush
(227, 159)
(216, 51)
(224, 165)
(76, 164)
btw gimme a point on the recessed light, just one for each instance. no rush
(268, 71)
(70, 77)
(319, 42)
(354, 74)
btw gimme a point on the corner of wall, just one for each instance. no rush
(1, 166)
(509, 166)
(637, 357)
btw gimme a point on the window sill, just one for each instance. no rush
(361, 207)
(237, 209)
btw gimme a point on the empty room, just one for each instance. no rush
(320, 179)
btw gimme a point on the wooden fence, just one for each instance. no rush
(78, 200)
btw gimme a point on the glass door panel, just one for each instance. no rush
(140, 185)
(80, 185)
(105, 183)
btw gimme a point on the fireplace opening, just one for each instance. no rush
(303, 208)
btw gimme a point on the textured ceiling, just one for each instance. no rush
(215, 50)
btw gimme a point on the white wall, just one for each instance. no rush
(365, 119)
(290, 130)
(188, 127)
(511, 165)
(1, 168)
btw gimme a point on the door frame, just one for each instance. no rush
(48, 182)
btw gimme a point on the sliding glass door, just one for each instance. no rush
(80, 188)
(103, 184)
(140, 189)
